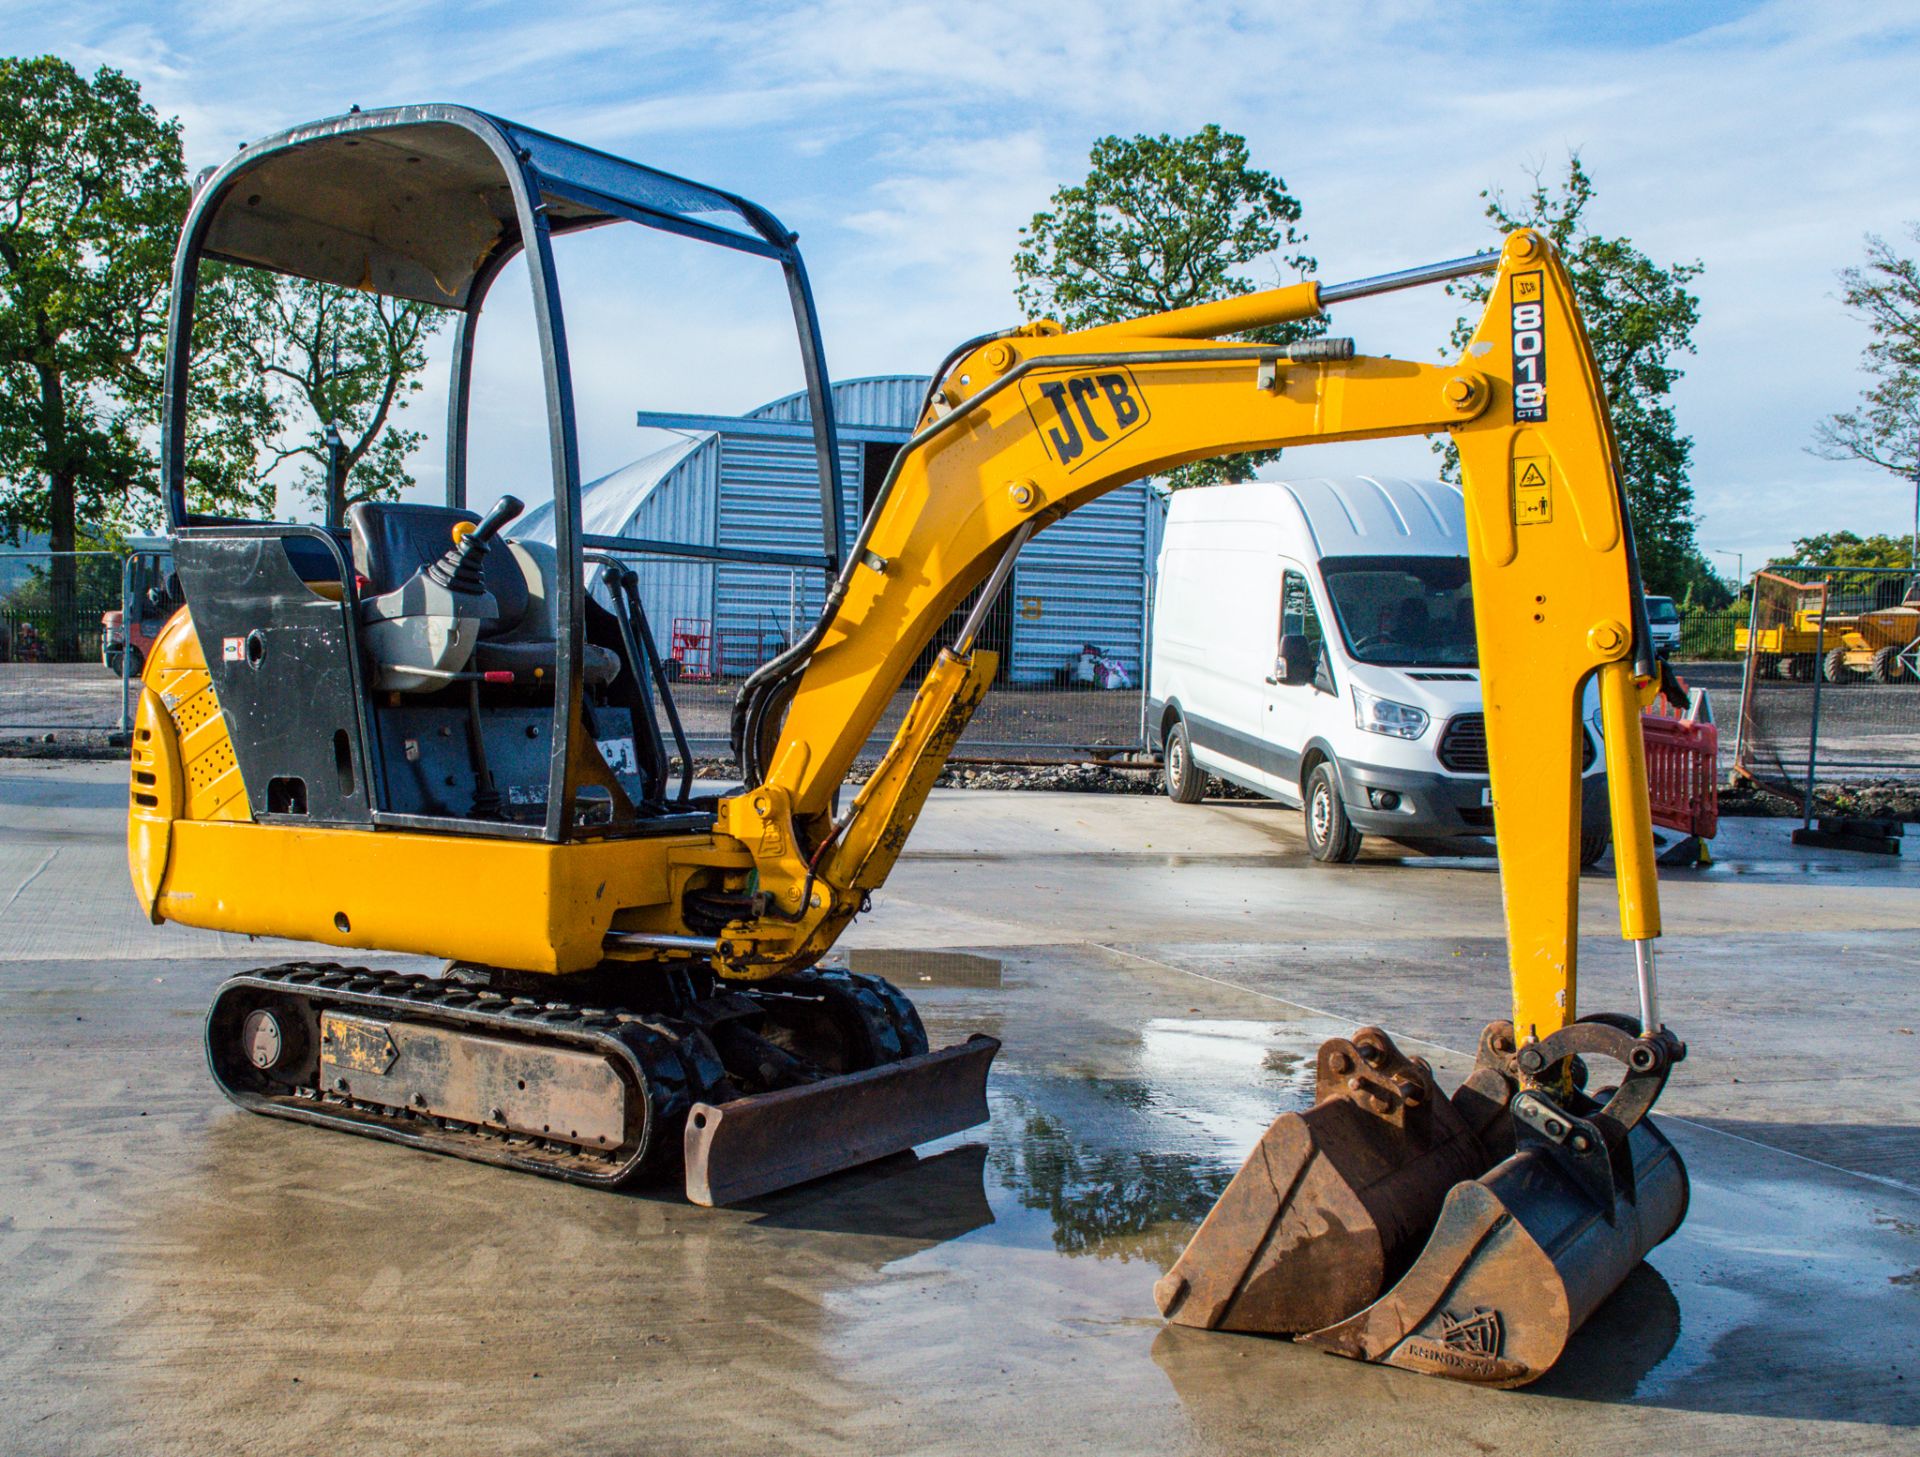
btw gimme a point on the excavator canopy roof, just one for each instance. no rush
(417, 201)
(429, 203)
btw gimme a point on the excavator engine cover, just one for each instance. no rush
(1332, 1204)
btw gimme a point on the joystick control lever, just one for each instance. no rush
(458, 569)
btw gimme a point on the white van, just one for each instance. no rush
(1663, 623)
(1313, 641)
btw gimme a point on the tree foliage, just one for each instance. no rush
(92, 193)
(1163, 223)
(332, 355)
(91, 189)
(1639, 316)
(230, 407)
(1885, 429)
(1848, 549)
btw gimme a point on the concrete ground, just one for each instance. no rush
(181, 1277)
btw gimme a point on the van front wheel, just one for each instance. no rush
(1185, 783)
(1593, 844)
(1331, 837)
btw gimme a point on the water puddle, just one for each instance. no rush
(1002, 1277)
(909, 970)
(1786, 1291)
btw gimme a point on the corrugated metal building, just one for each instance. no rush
(752, 483)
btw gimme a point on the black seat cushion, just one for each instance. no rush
(392, 540)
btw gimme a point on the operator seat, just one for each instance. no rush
(393, 540)
(1411, 622)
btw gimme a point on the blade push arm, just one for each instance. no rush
(1034, 425)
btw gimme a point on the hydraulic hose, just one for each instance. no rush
(750, 707)
(760, 690)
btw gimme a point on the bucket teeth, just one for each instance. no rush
(1332, 1204)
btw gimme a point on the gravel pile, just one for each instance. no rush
(1880, 799)
(1066, 778)
(1061, 778)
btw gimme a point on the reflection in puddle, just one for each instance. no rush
(1227, 1079)
(910, 969)
(1125, 1167)
(1108, 1203)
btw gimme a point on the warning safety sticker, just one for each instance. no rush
(1532, 490)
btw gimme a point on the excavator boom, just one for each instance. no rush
(1513, 1174)
(1028, 428)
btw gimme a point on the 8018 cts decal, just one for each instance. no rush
(1529, 347)
(1079, 416)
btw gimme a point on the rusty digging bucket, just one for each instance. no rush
(1385, 1183)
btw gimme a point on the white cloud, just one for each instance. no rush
(909, 141)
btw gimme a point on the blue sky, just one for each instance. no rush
(907, 143)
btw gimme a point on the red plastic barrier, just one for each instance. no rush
(1683, 774)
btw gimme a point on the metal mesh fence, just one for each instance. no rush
(74, 629)
(64, 666)
(1710, 636)
(1071, 682)
(1831, 684)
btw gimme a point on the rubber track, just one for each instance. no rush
(674, 1060)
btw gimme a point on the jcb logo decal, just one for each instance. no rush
(1529, 348)
(1081, 415)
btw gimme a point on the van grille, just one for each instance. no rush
(1463, 747)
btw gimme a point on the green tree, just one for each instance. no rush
(1162, 223)
(1639, 316)
(332, 355)
(1698, 584)
(91, 190)
(230, 409)
(1847, 549)
(1885, 430)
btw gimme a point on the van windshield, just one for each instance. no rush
(1661, 609)
(1404, 611)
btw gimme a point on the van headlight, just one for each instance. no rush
(1383, 716)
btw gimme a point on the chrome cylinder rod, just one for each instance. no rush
(658, 941)
(990, 589)
(1334, 293)
(1649, 991)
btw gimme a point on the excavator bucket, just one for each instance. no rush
(1518, 1261)
(1384, 1183)
(1332, 1204)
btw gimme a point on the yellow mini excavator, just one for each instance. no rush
(423, 734)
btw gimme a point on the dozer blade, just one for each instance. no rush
(1518, 1261)
(754, 1145)
(1332, 1204)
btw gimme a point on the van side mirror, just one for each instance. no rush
(1295, 665)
